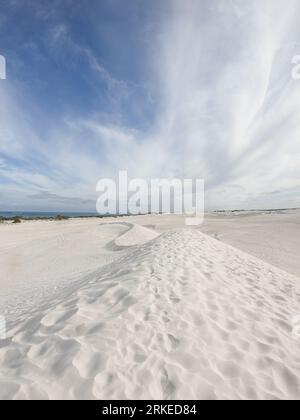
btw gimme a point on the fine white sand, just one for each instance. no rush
(271, 236)
(121, 310)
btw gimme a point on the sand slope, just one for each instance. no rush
(181, 316)
(272, 236)
(38, 259)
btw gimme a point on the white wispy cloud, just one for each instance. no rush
(225, 109)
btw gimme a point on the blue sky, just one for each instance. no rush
(200, 88)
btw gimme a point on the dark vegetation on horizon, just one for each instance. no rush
(61, 217)
(58, 217)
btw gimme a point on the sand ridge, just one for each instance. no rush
(180, 316)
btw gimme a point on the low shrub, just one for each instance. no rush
(16, 219)
(61, 217)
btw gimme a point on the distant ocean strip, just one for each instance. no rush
(41, 214)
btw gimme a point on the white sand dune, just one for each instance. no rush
(272, 236)
(135, 235)
(39, 259)
(181, 316)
